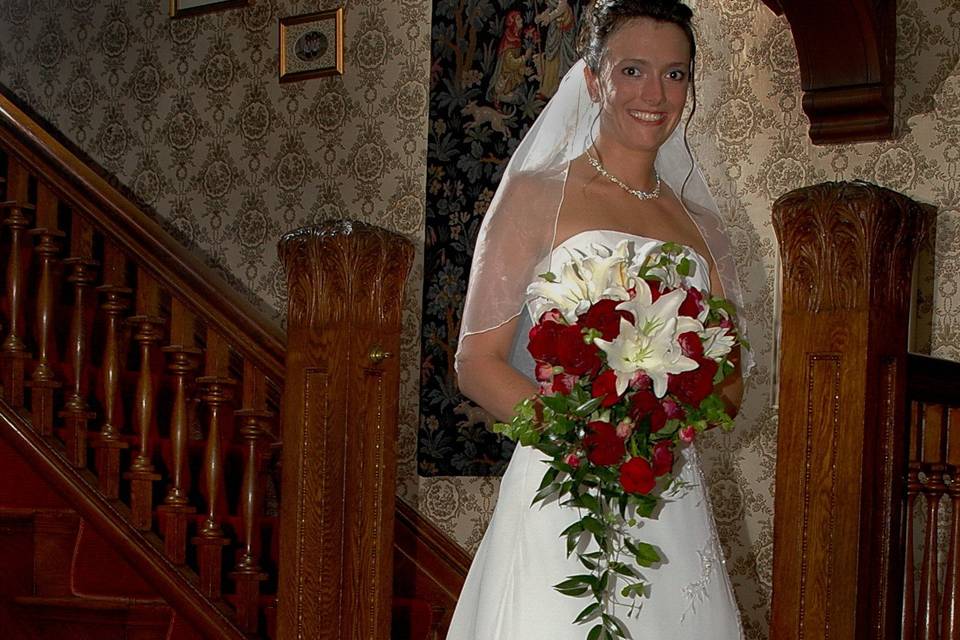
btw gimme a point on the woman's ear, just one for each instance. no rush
(593, 86)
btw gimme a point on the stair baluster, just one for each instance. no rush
(43, 380)
(217, 393)
(109, 443)
(184, 357)
(76, 412)
(247, 574)
(13, 351)
(908, 616)
(148, 327)
(934, 426)
(951, 587)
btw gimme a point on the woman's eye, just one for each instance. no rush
(676, 74)
(631, 71)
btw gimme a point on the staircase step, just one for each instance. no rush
(55, 618)
(98, 571)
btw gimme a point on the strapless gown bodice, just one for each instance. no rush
(509, 595)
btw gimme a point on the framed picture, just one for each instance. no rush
(311, 45)
(183, 8)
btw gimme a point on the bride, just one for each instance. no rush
(605, 161)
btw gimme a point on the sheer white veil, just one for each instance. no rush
(519, 230)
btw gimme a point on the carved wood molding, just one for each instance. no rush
(846, 245)
(847, 54)
(353, 266)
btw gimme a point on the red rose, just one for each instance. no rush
(640, 381)
(636, 476)
(603, 445)
(605, 386)
(693, 386)
(605, 318)
(691, 344)
(693, 304)
(672, 409)
(662, 458)
(658, 419)
(573, 460)
(642, 404)
(655, 291)
(574, 355)
(544, 338)
(563, 383)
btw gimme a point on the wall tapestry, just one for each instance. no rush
(495, 63)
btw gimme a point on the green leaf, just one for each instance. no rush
(587, 613)
(574, 529)
(548, 478)
(588, 407)
(624, 569)
(685, 267)
(587, 501)
(587, 562)
(548, 276)
(614, 622)
(670, 248)
(646, 554)
(594, 526)
(634, 590)
(595, 632)
(560, 404)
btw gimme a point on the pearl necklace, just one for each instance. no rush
(636, 193)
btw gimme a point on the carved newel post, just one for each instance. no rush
(847, 251)
(345, 282)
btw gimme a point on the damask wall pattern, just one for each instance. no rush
(188, 114)
(750, 136)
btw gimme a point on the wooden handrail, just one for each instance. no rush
(173, 265)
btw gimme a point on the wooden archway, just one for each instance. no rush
(847, 53)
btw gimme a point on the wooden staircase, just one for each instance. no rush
(143, 408)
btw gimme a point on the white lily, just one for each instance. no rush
(582, 281)
(650, 343)
(717, 342)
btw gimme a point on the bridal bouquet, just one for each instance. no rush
(628, 356)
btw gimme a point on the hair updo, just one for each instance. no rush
(604, 17)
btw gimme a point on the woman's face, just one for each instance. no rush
(642, 83)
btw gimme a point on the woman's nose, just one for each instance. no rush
(652, 91)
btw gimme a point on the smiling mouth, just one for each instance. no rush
(648, 117)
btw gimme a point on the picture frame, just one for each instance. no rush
(186, 8)
(311, 45)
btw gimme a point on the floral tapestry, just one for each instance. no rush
(494, 65)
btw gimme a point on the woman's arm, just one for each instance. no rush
(486, 377)
(731, 389)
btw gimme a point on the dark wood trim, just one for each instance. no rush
(443, 560)
(111, 519)
(428, 565)
(171, 263)
(847, 54)
(932, 379)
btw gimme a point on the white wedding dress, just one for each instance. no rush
(509, 595)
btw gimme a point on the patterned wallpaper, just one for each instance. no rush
(188, 114)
